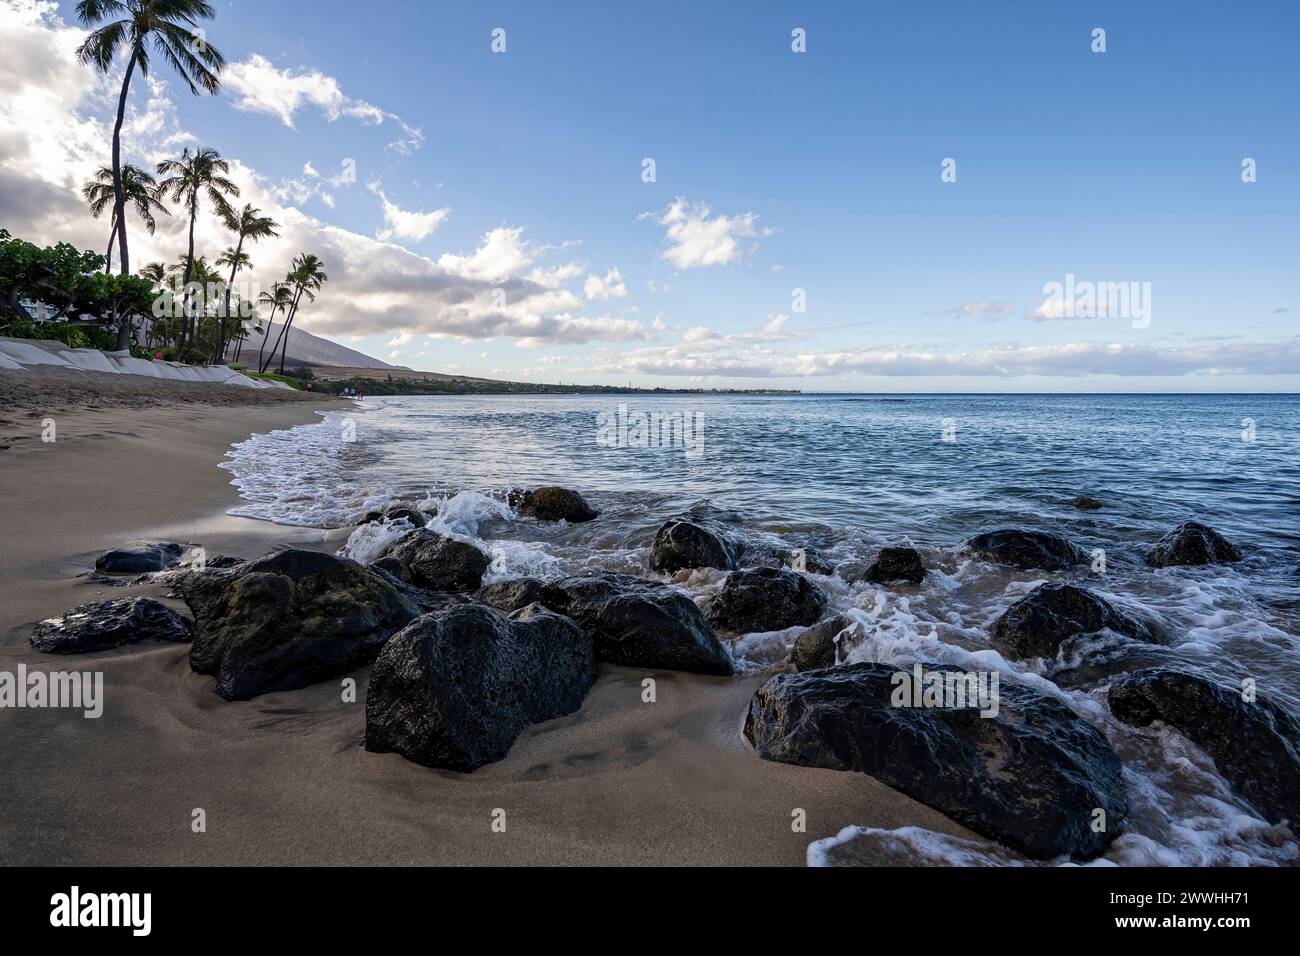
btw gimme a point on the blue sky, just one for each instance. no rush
(817, 171)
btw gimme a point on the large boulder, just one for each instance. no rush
(507, 596)
(434, 561)
(640, 623)
(1019, 548)
(685, 543)
(148, 557)
(453, 690)
(1255, 744)
(552, 504)
(825, 643)
(896, 564)
(765, 599)
(1031, 777)
(106, 624)
(1192, 543)
(290, 619)
(1037, 624)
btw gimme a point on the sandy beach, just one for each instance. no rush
(284, 779)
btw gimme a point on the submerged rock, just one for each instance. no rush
(431, 560)
(825, 643)
(765, 599)
(454, 690)
(1030, 777)
(552, 504)
(148, 557)
(507, 596)
(1254, 744)
(896, 564)
(1084, 503)
(102, 625)
(640, 623)
(411, 515)
(290, 619)
(1019, 548)
(685, 543)
(1192, 543)
(1037, 624)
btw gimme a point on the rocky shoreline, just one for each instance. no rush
(460, 668)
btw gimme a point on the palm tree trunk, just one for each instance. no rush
(119, 198)
(270, 322)
(225, 312)
(185, 286)
(108, 254)
(284, 329)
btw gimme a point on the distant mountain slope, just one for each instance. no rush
(307, 349)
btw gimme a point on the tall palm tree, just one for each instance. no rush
(146, 27)
(307, 273)
(278, 299)
(249, 224)
(202, 172)
(140, 190)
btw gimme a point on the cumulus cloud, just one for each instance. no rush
(695, 237)
(401, 223)
(55, 127)
(610, 287)
(256, 85)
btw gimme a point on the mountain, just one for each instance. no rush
(307, 349)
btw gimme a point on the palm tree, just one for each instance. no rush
(140, 190)
(307, 274)
(279, 298)
(146, 27)
(248, 224)
(189, 178)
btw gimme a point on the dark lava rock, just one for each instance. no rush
(507, 596)
(1027, 549)
(765, 599)
(1254, 744)
(149, 557)
(817, 647)
(431, 560)
(290, 619)
(106, 624)
(685, 543)
(412, 516)
(1192, 543)
(1030, 777)
(1085, 503)
(223, 561)
(640, 623)
(552, 504)
(453, 690)
(896, 564)
(1037, 624)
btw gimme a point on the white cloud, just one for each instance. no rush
(697, 238)
(1218, 358)
(257, 86)
(982, 308)
(610, 287)
(401, 223)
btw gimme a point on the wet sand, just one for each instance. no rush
(284, 779)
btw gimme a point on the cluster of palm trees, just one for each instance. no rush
(169, 30)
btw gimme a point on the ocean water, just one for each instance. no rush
(847, 474)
